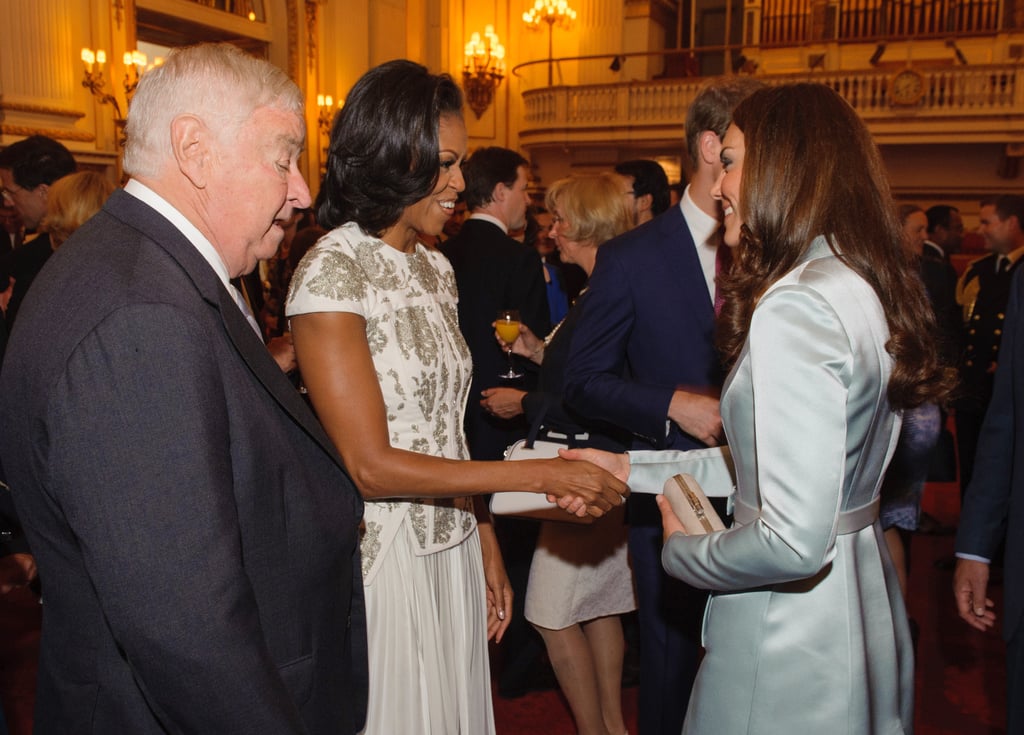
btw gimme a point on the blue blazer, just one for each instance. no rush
(993, 506)
(646, 329)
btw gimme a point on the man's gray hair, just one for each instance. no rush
(216, 82)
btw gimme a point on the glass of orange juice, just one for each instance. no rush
(507, 326)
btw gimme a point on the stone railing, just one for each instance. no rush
(957, 102)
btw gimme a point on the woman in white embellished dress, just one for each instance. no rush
(373, 317)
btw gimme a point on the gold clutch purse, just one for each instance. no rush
(691, 505)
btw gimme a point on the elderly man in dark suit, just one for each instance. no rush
(194, 527)
(643, 359)
(993, 509)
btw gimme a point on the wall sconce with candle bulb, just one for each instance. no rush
(326, 110)
(483, 69)
(325, 117)
(135, 64)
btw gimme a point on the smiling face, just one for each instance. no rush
(727, 188)
(996, 231)
(429, 215)
(254, 187)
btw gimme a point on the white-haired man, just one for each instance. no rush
(194, 527)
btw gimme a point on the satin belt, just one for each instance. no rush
(850, 521)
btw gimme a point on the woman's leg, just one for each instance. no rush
(894, 540)
(571, 658)
(607, 647)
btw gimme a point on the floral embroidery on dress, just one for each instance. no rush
(444, 524)
(382, 273)
(425, 274)
(370, 545)
(376, 336)
(415, 337)
(418, 518)
(339, 278)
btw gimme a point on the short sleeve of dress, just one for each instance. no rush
(330, 276)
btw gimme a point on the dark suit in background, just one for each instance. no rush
(194, 527)
(645, 330)
(494, 272)
(23, 265)
(993, 504)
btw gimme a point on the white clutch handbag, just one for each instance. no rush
(527, 504)
(691, 505)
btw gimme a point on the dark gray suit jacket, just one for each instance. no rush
(194, 527)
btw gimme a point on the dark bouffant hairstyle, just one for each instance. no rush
(811, 168)
(383, 153)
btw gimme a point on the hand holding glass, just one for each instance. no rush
(507, 326)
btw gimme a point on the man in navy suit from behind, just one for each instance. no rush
(643, 358)
(993, 510)
(195, 530)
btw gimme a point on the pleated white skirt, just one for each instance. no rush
(427, 631)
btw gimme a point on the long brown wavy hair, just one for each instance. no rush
(811, 168)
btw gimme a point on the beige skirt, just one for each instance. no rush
(580, 573)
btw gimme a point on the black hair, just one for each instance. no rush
(383, 153)
(37, 160)
(648, 178)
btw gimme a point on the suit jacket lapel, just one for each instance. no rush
(680, 256)
(150, 223)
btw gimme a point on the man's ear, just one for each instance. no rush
(190, 143)
(710, 147)
(499, 192)
(644, 202)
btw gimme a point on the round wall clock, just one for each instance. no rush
(907, 87)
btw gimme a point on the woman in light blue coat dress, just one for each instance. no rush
(826, 328)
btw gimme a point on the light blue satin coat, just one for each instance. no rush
(806, 631)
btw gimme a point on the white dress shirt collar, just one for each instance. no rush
(704, 230)
(143, 193)
(490, 218)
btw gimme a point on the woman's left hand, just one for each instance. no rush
(670, 522)
(505, 403)
(499, 588)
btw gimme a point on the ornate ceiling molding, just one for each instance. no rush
(57, 133)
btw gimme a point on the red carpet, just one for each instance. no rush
(961, 674)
